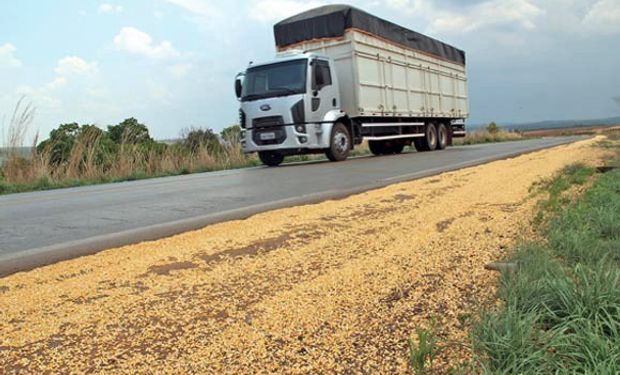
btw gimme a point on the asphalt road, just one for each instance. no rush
(44, 227)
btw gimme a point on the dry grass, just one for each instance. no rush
(87, 163)
(132, 162)
(485, 136)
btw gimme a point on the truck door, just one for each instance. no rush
(324, 93)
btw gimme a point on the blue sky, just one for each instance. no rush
(171, 63)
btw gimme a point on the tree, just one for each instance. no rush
(231, 134)
(129, 131)
(63, 139)
(492, 127)
(195, 138)
(60, 142)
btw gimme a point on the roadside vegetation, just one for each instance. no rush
(560, 311)
(559, 294)
(75, 155)
(491, 133)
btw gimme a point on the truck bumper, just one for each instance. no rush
(310, 137)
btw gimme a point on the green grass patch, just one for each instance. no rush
(575, 174)
(561, 310)
(423, 350)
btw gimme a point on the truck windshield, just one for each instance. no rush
(280, 79)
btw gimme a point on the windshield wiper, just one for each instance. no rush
(252, 97)
(276, 91)
(287, 90)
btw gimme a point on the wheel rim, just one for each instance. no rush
(442, 135)
(432, 138)
(341, 141)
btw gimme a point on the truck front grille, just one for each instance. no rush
(262, 122)
(266, 125)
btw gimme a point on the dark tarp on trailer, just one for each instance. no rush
(333, 20)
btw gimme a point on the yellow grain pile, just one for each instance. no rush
(323, 288)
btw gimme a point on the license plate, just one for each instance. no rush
(267, 136)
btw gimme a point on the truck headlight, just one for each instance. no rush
(301, 128)
(298, 112)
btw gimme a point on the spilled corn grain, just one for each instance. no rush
(332, 287)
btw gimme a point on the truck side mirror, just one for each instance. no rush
(238, 85)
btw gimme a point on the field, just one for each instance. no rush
(336, 286)
(570, 131)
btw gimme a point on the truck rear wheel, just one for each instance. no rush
(271, 158)
(376, 147)
(442, 136)
(385, 147)
(340, 143)
(429, 141)
(397, 148)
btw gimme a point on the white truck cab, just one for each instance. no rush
(290, 105)
(342, 76)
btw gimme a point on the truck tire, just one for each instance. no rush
(376, 147)
(271, 158)
(429, 141)
(442, 136)
(385, 147)
(339, 144)
(397, 148)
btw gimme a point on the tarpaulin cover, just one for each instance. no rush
(333, 20)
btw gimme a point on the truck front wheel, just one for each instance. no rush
(340, 143)
(271, 158)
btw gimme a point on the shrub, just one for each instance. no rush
(81, 154)
(492, 128)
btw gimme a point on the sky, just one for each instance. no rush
(171, 63)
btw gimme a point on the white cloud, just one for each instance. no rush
(180, 70)
(107, 8)
(504, 14)
(73, 65)
(138, 42)
(198, 7)
(519, 13)
(276, 10)
(57, 83)
(44, 97)
(7, 56)
(603, 17)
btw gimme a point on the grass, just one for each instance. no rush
(89, 158)
(21, 174)
(561, 312)
(485, 136)
(423, 350)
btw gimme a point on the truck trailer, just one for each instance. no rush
(342, 76)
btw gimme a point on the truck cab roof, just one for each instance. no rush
(289, 56)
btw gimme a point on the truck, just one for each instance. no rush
(342, 76)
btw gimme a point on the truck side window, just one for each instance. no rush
(323, 76)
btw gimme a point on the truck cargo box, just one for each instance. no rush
(384, 70)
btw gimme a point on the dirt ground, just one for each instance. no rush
(570, 131)
(338, 286)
